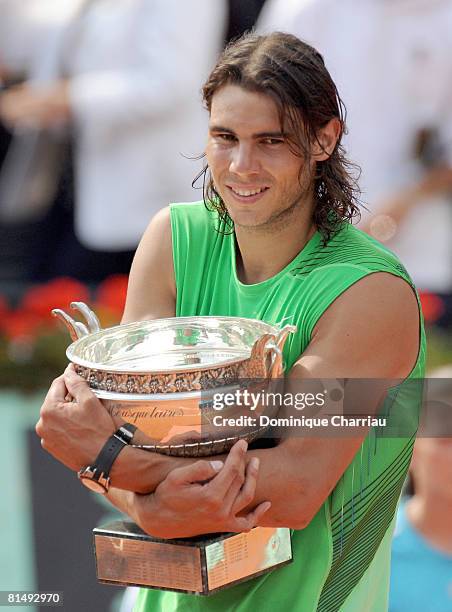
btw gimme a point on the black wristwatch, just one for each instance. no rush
(97, 476)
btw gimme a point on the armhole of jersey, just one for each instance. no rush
(359, 274)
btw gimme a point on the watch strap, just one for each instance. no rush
(126, 432)
(111, 449)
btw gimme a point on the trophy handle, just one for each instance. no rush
(77, 329)
(276, 360)
(282, 335)
(90, 316)
(266, 355)
(264, 359)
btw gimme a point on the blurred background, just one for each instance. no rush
(101, 125)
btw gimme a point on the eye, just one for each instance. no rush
(224, 137)
(272, 141)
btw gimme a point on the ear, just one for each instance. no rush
(327, 138)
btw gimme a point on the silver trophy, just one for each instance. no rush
(168, 377)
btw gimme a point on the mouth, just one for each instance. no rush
(250, 194)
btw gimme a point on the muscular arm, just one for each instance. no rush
(371, 331)
(151, 294)
(75, 433)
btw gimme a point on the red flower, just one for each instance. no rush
(111, 294)
(432, 306)
(58, 293)
(21, 325)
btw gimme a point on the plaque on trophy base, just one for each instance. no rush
(127, 556)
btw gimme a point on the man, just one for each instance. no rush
(272, 243)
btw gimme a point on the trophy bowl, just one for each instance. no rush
(171, 377)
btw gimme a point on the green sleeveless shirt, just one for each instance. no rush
(341, 559)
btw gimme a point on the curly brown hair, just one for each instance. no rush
(294, 75)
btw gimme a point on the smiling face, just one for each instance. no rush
(262, 183)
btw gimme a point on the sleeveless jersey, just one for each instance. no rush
(341, 559)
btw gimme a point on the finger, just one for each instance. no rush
(57, 391)
(259, 511)
(252, 519)
(195, 472)
(231, 495)
(39, 429)
(69, 368)
(234, 467)
(69, 397)
(77, 386)
(248, 490)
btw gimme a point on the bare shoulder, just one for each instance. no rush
(371, 330)
(152, 289)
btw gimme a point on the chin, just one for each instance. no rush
(250, 222)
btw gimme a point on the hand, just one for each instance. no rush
(46, 107)
(73, 432)
(204, 497)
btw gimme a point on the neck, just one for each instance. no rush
(280, 242)
(430, 516)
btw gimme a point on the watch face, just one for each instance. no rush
(94, 485)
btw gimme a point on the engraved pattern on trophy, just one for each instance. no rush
(161, 375)
(196, 380)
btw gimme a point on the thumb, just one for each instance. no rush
(198, 472)
(76, 385)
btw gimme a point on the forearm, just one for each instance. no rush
(282, 485)
(298, 475)
(281, 481)
(202, 497)
(142, 471)
(122, 500)
(295, 476)
(128, 503)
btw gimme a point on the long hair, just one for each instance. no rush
(294, 75)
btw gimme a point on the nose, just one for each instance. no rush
(244, 160)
